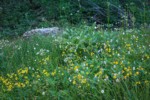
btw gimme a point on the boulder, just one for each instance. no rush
(43, 31)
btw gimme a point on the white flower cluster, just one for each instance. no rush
(42, 52)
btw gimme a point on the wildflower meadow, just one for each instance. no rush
(82, 63)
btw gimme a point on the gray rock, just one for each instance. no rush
(43, 31)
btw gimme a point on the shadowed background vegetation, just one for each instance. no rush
(17, 16)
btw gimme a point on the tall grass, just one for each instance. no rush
(83, 63)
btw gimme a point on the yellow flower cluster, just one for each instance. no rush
(79, 79)
(115, 62)
(13, 80)
(53, 73)
(46, 73)
(98, 74)
(22, 71)
(76, 68)
(45, 60)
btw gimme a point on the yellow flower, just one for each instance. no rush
(74, 82)
(10, 76)
(10, 87)
(146, 81)
(38, 76)
(91, 65)
(45, 73)
(137, 73)
(80, 77)
(53, 73)
(76, 68)
(83, 81)
(47, 58)
(138, 83)
(115, 62)
(92, 53)
(100, 72)
(26, 82)
(115, 76)
(108, 49)
(18, 84)
(128, 45)
(22, 71)
(128, 74)
(125, 77)
(16, 78)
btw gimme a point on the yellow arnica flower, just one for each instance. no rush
(47, 58)
(45, 73)
(115, 62)
(10, 87)
(92, 53)
(74, 82)
(146, 81)
(128, 45)
(83, 81)
(137, 83)
(79, 77)
(76, 68)
(108, 49)
(53, 73)
(137, 73)
(114, 77)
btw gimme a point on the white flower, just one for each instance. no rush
(128, 52)
(117, 80)
(105, 62)
(83, 64)
(47, 50)
(133, 68)
(37, 44)
(70, 79)
(105, 79)
(99, 51)
(114, 66)
(76, 70)
(95, 27)
(43, 93)
(111, 40)
(32, 68)
(102, 91)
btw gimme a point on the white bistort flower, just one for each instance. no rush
(102, 91)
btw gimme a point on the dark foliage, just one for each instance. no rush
(20, 15)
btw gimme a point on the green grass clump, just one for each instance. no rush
(83, 63)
